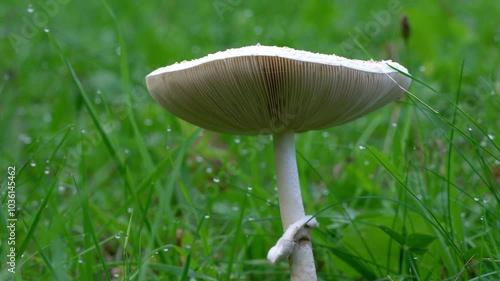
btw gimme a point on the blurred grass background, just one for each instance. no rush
(406, 193)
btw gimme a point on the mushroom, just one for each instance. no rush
(279, 91)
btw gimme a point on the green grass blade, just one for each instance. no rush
(36, 219)
(87, 220)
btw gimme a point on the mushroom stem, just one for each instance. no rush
(291, 206)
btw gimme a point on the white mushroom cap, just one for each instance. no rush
(263, 90)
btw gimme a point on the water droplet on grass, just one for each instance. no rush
(61, 188)
(476, 199)
(491, 137)
(325, 134)
(156, 252)
(32, 164)
(248, 13)
(47, 171)
(362, 147)
(216, 180)
(30, 9)
(394, 124)
(46, 30)
(165, 250)
(207, 216)
(148, 122)
(169, 129)
(130, 210)
(237, 140)
(249, 188)
(118, 51)
(25, 139)
(199, 159)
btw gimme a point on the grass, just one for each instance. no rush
(110, 186)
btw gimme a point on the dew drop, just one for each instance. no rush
(126, 151)
(476, 199)
(130, 210)
(248, 13)
(169, 129)
(80, 261)
(46, 30)
(118, 51)
(82, 131)
(32, 164)
(30, 9)
(491, 137)
(394, 124)
(366, 162)
(199, 159)
(47, 171)
(237, 140)
(207, 216)
(268, 202)
(25, 139)
(216, 180)
(481, 218)
(325, 134)
(97, 100)
(148, 122)
(165, 250)
(251, 218)
(362, 147)
(209, 170)
(470, 129)
(156, 252)
(249, 188)
(61, 188)
(235, 208)
(116, 275)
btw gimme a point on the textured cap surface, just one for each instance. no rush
(262, 89)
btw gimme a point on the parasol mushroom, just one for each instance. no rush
(280, 91)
